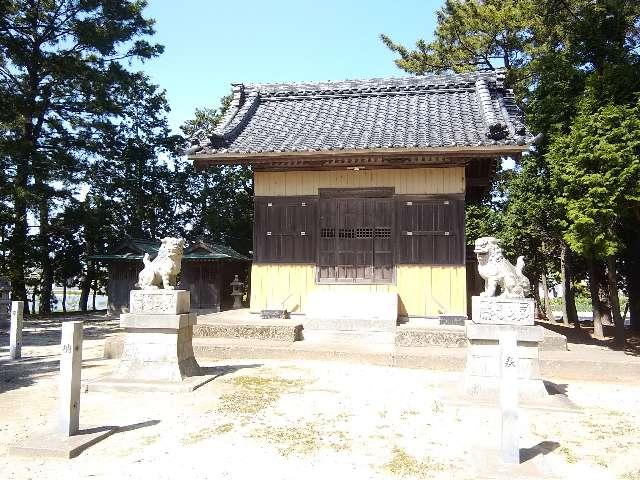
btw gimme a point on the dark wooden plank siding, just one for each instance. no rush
(285, 229)
(430, 230)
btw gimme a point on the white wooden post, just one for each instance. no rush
(510, 438)
(70, 366)
(15, 336)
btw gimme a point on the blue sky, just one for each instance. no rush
(211, 43)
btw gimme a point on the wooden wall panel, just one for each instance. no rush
(406, 181)
(423, 291)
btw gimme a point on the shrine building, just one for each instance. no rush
(360, 187)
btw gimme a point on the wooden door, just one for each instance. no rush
(356, 240)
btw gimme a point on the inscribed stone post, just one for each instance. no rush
(70, 366)
(15, 337)
(510, 439)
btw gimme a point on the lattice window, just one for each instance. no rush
(364, 232)
(327, 232)
(383, 232)
(346, 233)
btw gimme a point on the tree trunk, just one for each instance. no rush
(46, 287)
(633, 289)
(633, 281)
(535, 291)
(87, 278)
(546, 304)
(64, 296)
(18, 240)
(33, 300)
(569, 313)
(612, 277)
(93, 300)
(598, 308)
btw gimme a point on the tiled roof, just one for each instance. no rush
(134, 249)
(465, 110)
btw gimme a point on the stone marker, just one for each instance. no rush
(69, 388)
(15, 336)
(510, 439)
(67, 441)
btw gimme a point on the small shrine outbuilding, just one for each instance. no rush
(208, 269)
(360, 185)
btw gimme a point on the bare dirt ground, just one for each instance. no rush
(289, 420)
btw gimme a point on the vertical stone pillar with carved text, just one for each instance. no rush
(510, 438)
(70, 373)
(15, 334)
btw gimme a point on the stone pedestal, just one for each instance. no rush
(492, 318)
(158, 351)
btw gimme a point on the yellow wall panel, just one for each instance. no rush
(423, 291)
(411, 181)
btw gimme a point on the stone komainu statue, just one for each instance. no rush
(164, 269)
(497, 271)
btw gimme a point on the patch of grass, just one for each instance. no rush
(204, 433)
(583, 303)
(253, 393)
(404, 465)
(408, 413)
(568, 455)
(303, 439)
(149, 439)
(633, 475)
(224, 428)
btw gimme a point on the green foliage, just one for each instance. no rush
(64, 89)
(597, 170)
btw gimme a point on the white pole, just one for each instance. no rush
(510, 438)
(15, 335)
(70, 366)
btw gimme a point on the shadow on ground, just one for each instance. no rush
(221, 370)
(583, 336)
(21, 373)
(542, 448)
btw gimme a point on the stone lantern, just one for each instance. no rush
(236, 292)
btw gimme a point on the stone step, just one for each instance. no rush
(451, 336)
(282, 330)
(356, 337)
(349, 324)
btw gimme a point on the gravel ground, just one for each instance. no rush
(290, 420)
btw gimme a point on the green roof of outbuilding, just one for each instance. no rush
(134, 250)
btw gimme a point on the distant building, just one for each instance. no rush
(207, 270)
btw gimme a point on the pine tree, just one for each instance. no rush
(60, 62)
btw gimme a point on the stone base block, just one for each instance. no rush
(483, 367)
(503, 311)
(157, 355)
(524, 333)
(55, 445)
(145, 320)
(112, 384)
(160, 301)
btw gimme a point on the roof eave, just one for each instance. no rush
(204, 160)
